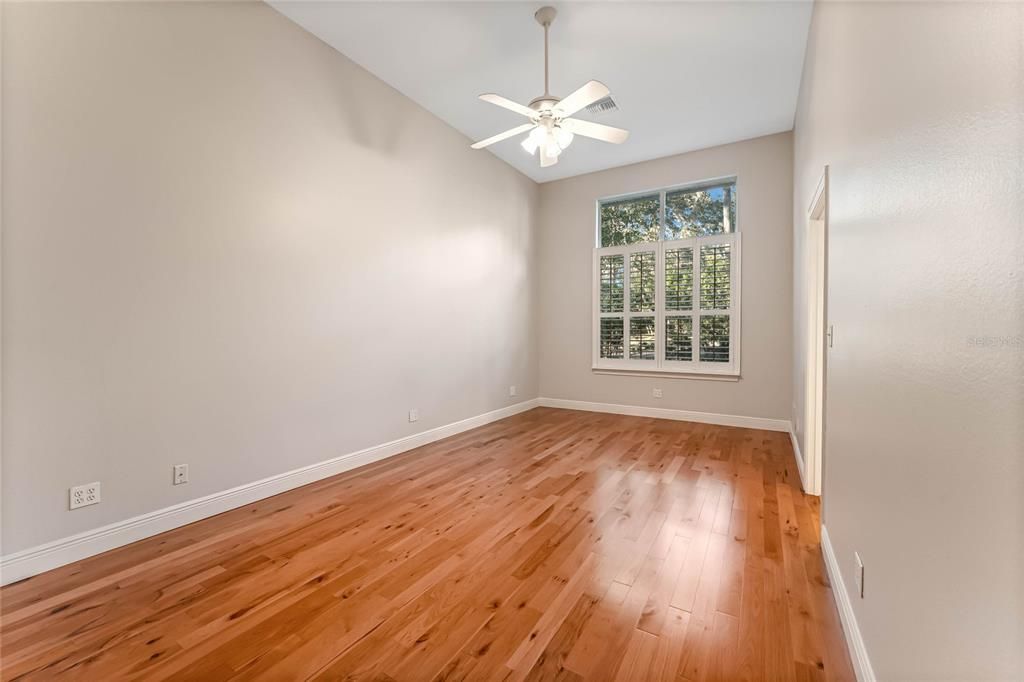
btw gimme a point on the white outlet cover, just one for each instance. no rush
(414, 414)
(84, 495)
(512, 390)
(657, 393)
(180, 474)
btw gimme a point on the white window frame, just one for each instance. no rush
(694, 368)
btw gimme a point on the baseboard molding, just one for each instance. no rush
(854, 641)
(798, 455)
(35, 560)
(663, 413)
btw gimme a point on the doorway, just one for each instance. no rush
(819, 336)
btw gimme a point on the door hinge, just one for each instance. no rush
(831, 335)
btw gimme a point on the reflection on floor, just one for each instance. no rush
(551, 545)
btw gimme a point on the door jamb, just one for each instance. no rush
(817, 334)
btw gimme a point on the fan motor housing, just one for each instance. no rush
(544, 103)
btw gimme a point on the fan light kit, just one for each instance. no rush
(551, 130)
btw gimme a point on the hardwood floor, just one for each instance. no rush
(554, 545)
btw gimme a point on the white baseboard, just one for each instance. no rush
(35, 560)
(854, 641)
(663, 413)
(798, 455)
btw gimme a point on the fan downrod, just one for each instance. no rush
(546, 102)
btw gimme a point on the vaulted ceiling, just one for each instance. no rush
(685, 75)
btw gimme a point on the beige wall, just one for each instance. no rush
(918, 109)
(221, 238)
(566, 242)
(227, 245)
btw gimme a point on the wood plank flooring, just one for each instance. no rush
(554, 545)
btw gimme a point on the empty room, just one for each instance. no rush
(593, 341)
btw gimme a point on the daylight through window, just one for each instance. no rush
(666, 277)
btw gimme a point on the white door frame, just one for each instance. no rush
(817, 336)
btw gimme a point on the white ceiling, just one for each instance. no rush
(685, 75)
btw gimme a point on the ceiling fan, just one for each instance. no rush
(551, 130)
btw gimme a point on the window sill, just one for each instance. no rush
(669, 374)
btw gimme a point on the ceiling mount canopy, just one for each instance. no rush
(551, 130)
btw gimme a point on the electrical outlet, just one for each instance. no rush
(414, 415)
(656, 392)
(858, 576)
(180, 474)
(84, 495)
(513, 391)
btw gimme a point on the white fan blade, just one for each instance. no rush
(503, 136)
(595, 130)
(546, 160)
(588, 94)
(509, 104)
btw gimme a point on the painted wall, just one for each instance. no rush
(918, 109)
(566, 242)
(226, 244)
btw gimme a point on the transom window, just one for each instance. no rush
(666, 278)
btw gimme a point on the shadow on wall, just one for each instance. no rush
(370, 123)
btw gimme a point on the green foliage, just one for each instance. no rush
(715, 276)
(613, 270)
(630, 221)
(679, 279)
(641, 338)
(641, 281)
(714, 338)
(690, 213)
(679, 338)
(611, 338)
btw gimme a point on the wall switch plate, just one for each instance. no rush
(180, 474)
(414, 414)
(656, 392)
(858, 575)
(84, 495)
(512, 391)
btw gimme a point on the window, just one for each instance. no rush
(631, 220)
(666, 277)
